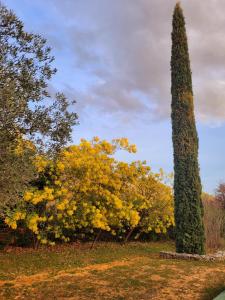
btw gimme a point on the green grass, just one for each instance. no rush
(109, 271)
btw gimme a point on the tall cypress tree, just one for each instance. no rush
(187, 184)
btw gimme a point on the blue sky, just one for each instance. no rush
(113, 58)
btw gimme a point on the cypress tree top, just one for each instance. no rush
(180, 62)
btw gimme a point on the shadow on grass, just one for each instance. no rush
(213, 292)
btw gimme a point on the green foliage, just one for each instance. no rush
(187, 184)
(26, 109)
(16, 171)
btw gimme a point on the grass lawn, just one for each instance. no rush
(110, 271)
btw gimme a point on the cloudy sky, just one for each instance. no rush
(113, 57)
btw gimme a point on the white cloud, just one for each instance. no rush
(125, 45)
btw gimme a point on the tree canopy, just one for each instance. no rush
(27, 110)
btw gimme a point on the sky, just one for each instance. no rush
(113, 57)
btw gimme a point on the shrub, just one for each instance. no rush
(86, 190)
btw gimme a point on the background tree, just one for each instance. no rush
(187, 183)
(214, 220)
(26, 109)
(220, 195)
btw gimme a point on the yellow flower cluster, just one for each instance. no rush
(36, 196)
(23, 145)
(33, 221)
(134, 218)
(16, 216)
(99, 221)
(40, 163)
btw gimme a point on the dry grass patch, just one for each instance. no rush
(111, 271)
